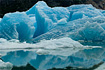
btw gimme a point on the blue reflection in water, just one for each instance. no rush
(85, 58)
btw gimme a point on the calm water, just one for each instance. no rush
(62, 59)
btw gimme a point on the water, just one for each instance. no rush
(55, 59)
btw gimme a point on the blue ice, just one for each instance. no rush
(79, 22)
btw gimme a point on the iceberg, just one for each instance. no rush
(79, 22)
(47, 32)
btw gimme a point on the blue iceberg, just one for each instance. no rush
(79, 22)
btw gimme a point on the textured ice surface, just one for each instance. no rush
(90, 31)
(84, 23)
(81, 11)
(45, 44)
(5, 66)
(47, 17)
(77, 22)
(17, 26)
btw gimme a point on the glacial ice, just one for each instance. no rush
(79, 22)
(54, 31)
(47, 17)
(17, 26)
(45, 44)
(5, 66)
(94, 32)
(81, 11)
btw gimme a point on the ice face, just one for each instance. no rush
(85, 23)
(90, 31)
(81, 11)
(47, 17)
(79, 22)
(17, 26)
